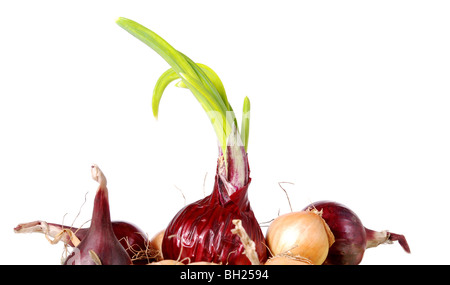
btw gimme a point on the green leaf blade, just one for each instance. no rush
(164, 80)
(245, 125)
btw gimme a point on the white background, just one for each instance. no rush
(350, 102)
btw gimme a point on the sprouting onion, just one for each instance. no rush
(201, 231)
(200, 79)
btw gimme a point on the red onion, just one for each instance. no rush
(133, 239)
(351, 237)
(100, 245)
(202, 231)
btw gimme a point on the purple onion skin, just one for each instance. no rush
(130, 236)
(349, 233)
(351, 237)
(100, 237)
(201, 231)
(122, 230)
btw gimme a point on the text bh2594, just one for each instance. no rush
(226, 274)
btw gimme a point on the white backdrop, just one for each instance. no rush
(350, 102)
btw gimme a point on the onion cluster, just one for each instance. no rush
(324, 232)
(220, 228)
(352, 238)
(104, 242)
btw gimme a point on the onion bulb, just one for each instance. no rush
(132, 239)
(302, 235)
(100, 245)
(156, 242)
(167, 262)
(286, 259)
(352, 237)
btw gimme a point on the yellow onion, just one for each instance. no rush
(300, 234)
(285, 259)
(167, 262)
(156, 241)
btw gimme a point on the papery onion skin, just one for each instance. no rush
(302, 233)
(287, 260)
(201, 231)
(352, 238)
(167, 262)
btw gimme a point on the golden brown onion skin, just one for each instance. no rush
(167, 262)
(287, 260)
(302, 233)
